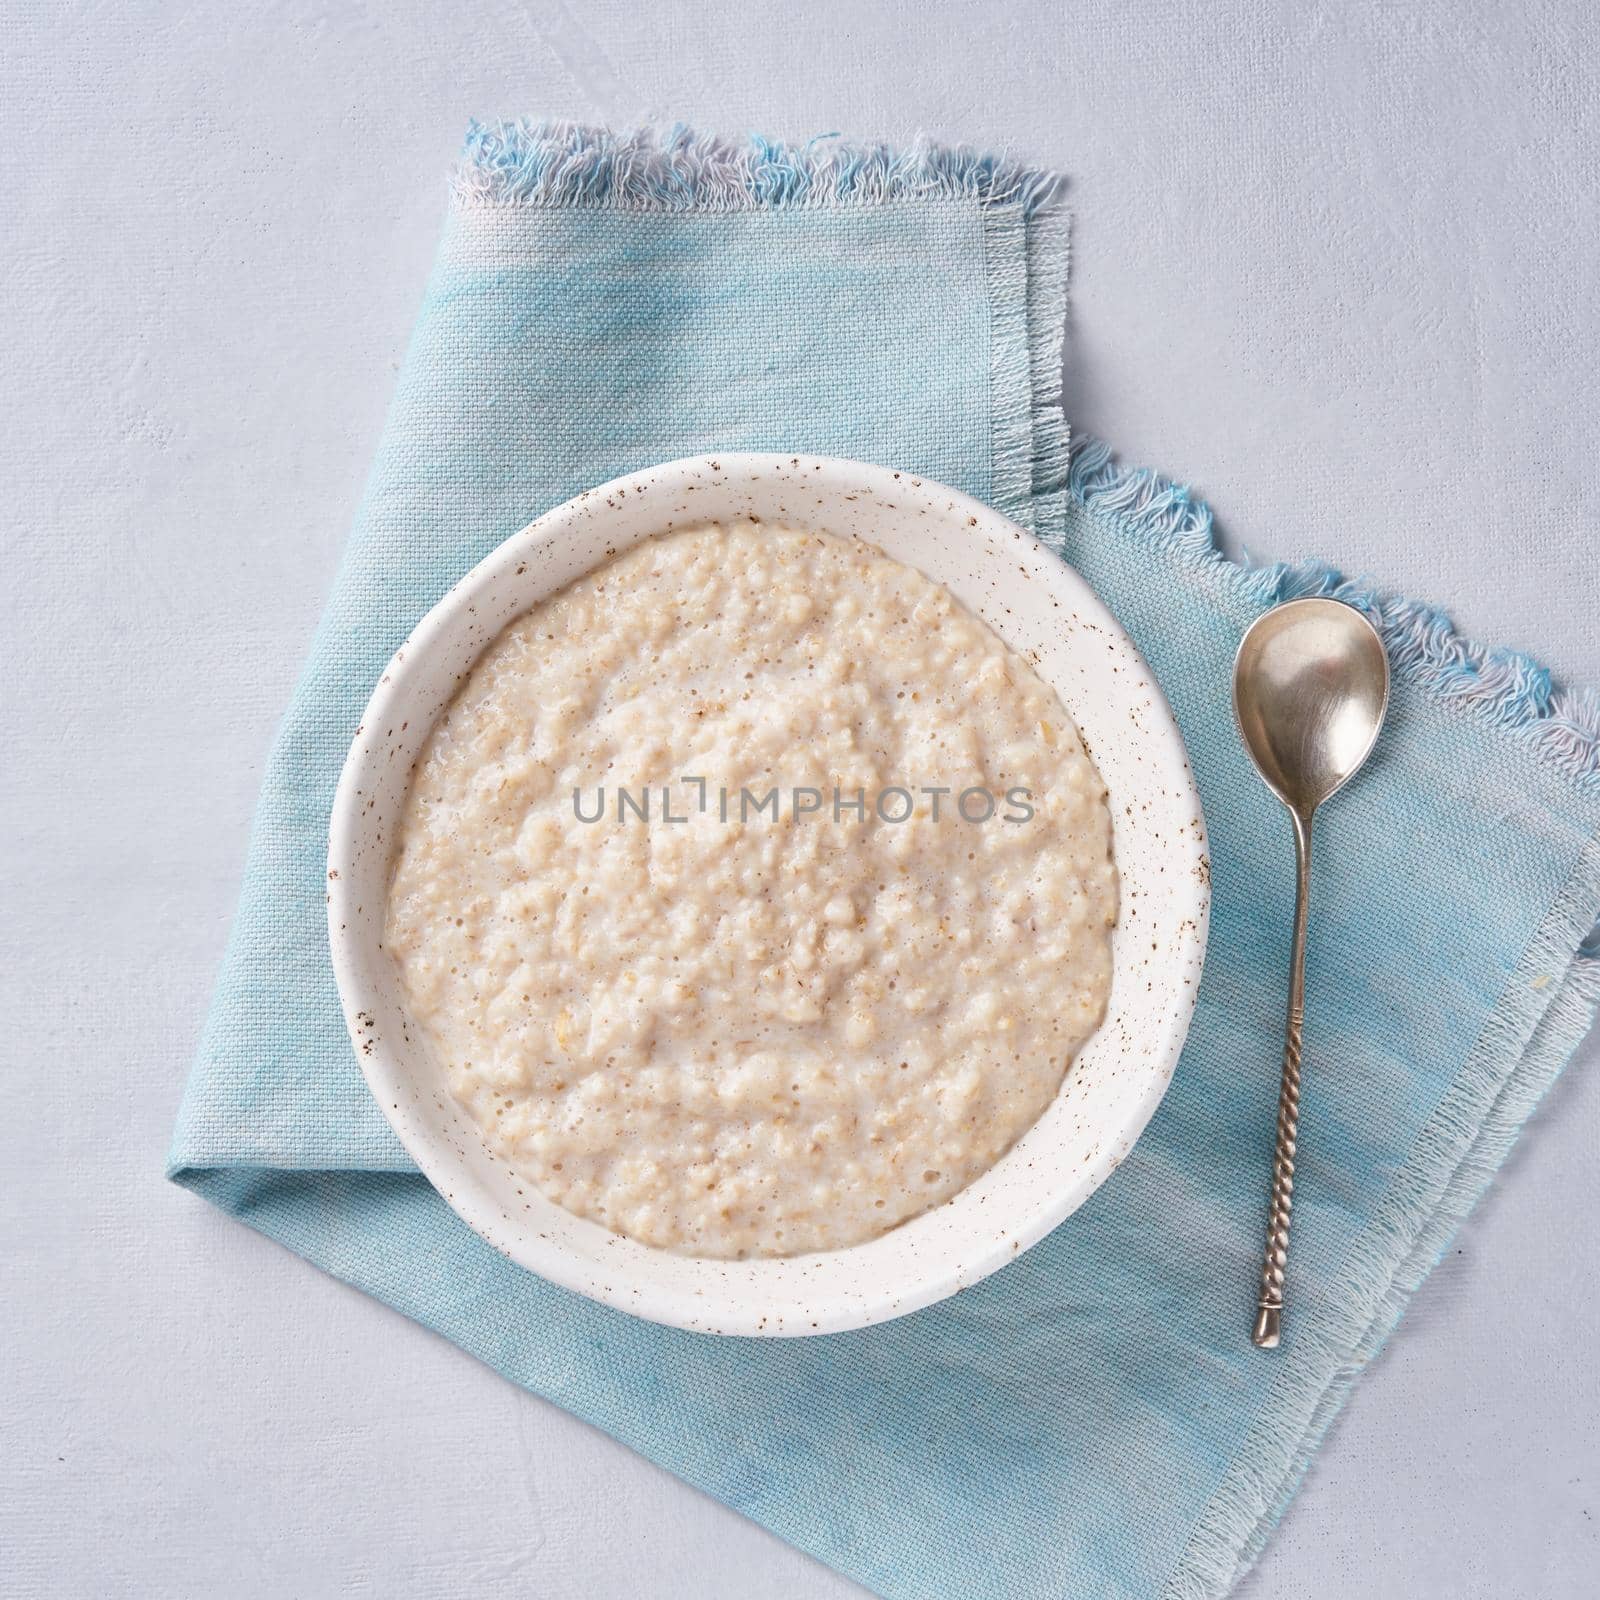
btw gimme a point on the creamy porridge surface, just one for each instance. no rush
(758, 1036)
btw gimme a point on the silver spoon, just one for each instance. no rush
(1310, 688)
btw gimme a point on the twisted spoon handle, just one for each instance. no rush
(1269, 1307)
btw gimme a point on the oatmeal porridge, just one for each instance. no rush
(754, 896)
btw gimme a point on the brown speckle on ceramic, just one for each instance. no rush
(1043, 610)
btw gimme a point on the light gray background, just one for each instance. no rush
(1337, 265)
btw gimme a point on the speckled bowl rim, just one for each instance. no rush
(829, 1291)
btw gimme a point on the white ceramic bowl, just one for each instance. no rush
(1044, 611)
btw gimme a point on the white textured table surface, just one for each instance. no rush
(1335, 264)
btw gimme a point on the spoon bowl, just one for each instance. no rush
(1310, 687)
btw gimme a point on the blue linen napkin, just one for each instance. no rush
(1092, 1420)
